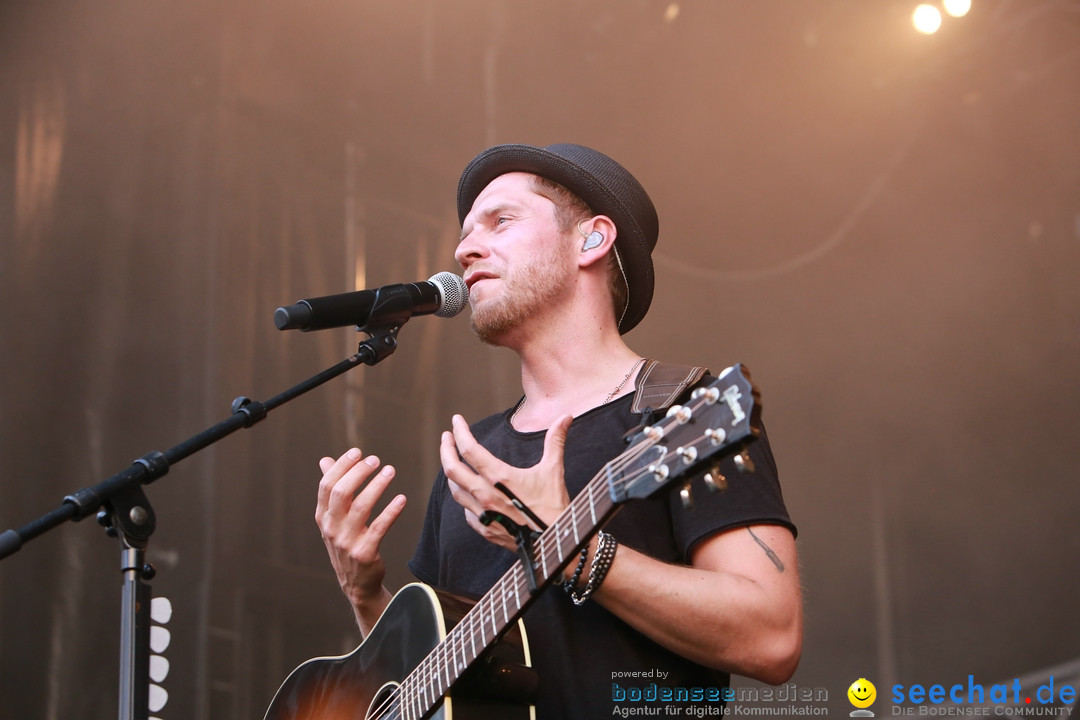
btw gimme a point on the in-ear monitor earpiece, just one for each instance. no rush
(592, 240)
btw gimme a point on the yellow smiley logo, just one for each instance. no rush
(862, 693)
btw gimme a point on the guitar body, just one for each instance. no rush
(360, 685)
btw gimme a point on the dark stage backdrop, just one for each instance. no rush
(884, 226)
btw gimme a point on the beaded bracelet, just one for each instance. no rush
(605, 553)
(570, 585)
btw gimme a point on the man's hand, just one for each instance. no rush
(541, 488)
(344, 507)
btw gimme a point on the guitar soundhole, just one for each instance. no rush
(381, 703)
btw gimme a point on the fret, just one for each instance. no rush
(493, 614)
(506, 613)
(517, 596)
(425, 683)
(543, 564)
(424, 688)
(610, 481)
(461, 657)
(574, 521)
(399, 701)
(494, 626)
(462, 652)
(482, 620)
(543, 549)
(445, 677)
(471, 618)
(563, 536)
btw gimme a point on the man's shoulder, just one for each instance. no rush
(489, 424)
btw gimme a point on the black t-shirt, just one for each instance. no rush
(585, 656)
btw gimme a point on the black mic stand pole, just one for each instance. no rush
(127, 514)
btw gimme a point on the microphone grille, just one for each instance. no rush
(453, 293)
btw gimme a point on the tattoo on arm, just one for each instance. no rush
(768, 551)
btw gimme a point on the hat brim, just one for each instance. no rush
(581, 175)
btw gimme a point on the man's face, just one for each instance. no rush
(516, 260)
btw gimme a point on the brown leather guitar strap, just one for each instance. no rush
(660, 384)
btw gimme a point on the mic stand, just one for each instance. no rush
(127, 514)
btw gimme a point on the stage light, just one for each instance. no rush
(957, 8)
(927, 19)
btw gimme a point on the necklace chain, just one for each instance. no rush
(619, 387)
(608, 399)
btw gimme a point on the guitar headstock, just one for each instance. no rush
(720, 418)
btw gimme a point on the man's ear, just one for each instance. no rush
(598, 236)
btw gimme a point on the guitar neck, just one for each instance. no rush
(509, 596)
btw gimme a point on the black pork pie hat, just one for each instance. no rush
(606, 186)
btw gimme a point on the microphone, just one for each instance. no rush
(444, 294)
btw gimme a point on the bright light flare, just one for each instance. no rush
(927, 19)
(957, 8)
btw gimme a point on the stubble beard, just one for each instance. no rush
(533, 287)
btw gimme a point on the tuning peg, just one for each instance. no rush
(654, 433)
(686, 497)
(715, 480)
(710, 393)
(743, 462)
(681, 413)
(716, 436)
(688, 453)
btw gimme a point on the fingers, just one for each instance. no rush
(555, 442)
(476, 455)
(463, 482)
(477, 475)
(464, 498)
(332, 472)
(340, 495)
(365, 542)
(472, 490)
(493, 533)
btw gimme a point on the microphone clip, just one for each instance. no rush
(381, 342)
(391, 309)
